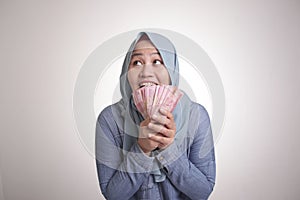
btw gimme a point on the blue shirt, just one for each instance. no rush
(189, 166)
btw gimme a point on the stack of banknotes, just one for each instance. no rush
(149, 99)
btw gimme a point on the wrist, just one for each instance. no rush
(144, 150)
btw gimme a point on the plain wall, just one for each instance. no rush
(255, 46)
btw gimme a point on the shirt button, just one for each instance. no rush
(161, 158)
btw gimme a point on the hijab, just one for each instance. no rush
(131, 115)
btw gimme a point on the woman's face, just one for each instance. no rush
(146, 66)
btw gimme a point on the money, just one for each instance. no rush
(139, 102)
(150, 99)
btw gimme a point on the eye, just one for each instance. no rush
(137, 63)
(157, 62)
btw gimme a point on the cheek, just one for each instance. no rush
(165, 77)
(132, 78)
(168, 82)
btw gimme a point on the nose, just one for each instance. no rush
(146, 71)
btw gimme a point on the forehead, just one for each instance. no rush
(144, 44)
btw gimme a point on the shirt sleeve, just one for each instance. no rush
(118, 172)
(192, 169)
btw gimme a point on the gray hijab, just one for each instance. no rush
(132, 117)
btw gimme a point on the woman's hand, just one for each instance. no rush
(145, 143)
(157, 132)
(164, 125)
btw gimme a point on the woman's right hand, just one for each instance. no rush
(145, 143)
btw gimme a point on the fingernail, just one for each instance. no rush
(163, 110)
(150, 135)
(154, 116)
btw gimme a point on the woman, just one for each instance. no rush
(167, 156)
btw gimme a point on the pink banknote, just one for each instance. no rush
(150, 99)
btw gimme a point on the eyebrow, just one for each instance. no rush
(141, 54)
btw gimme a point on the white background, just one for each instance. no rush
(255, 46)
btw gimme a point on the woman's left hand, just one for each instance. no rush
(165, 126)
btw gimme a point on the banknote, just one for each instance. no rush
(162, 92)
(139, 101)
(156, 99)
(150, 99)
